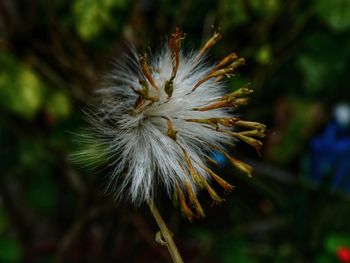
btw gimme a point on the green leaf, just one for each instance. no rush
(322, 67)
(231, 250)
(32, 154)
(42, 193)
(10, 250)
(315, 72)
(293, 134)
(59, 105)
(264, 54)
(335, 13)
(333, 242)
(265, 8)
(21, 90)
(233, 13)
(94, 17)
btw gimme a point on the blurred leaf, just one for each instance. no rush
(264, 54)
(60, 138)
(320, 65)
(284, 252)
(237, 82)
(10, 250)
(265, 8)
(58, 105)
(42, 193)
(293, 135)
(21, 91)
(232, 13)
(325, 258)
(335, 13)
(204, 236)
(333, 242)
(232, 249)
(32, 155)
(94, 17)
(315, 72)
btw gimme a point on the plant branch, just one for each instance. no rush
(169, 242)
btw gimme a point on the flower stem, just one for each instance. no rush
(174, 252)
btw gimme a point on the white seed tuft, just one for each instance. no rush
(161, 118)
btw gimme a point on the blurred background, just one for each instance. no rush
(53, 55)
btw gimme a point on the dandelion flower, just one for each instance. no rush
(163, 116)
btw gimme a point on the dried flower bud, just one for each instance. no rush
(164, 127)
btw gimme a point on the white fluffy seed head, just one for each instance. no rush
(151, 136)
(145, 155)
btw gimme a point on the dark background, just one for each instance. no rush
(53, 55)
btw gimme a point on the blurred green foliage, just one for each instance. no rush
(52, 58)
(335, 14)
(21, 90)
(96, 21)
(10, 250)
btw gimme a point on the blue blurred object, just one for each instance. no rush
(219, 158)
(330, 152)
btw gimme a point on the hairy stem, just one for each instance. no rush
(174, 252)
